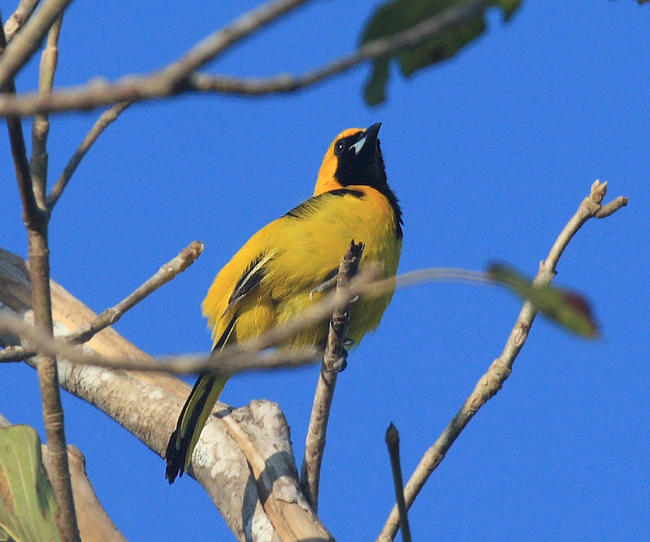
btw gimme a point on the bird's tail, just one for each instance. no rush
(198, 406)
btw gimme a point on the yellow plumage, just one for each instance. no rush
(268, 281)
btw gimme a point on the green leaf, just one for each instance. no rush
(399, 15)
(567, 308)
(27, 506)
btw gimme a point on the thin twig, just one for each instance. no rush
(36, 223)
(110, 316)
(105, 119)
(392, 443)
(166, 273)
(41, 123)
(225, 363)
(380, 48)
(100, 93)
(333, 362)
(31, 213)
(208, 49)
(611, 207)
(19, 17)
(490, 383)
(28, 40)
(360, 285)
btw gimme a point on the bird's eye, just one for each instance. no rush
(339, 148)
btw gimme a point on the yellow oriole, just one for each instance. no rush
(268, 282)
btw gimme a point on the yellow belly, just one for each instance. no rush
(302, 251)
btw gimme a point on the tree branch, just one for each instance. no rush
(105, 119)
(31, 212)
(490, 383)
(225, 363)
(333, 362)
(251, 86)
(243, 357)
(392, 443)
(291, 522)
(208, 49)
(97, 94)
(36, 223)
(110, 316)
(41, 123)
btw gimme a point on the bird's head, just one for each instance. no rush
(353, 158)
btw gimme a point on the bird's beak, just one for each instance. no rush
(369, 136)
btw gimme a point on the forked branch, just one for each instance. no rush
(490, 383)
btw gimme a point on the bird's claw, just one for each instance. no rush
(323, 287)
(340, 364)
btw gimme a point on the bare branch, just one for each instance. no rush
(383, 47)
(36, 223)
(48, 378)
(612, 207)
(291, 522)
(19, 17)
(105, 119)
(107, 318)
(224, 363)
(28, 40)
(392, 443)
(362, 284)
(166, 273)
(41, 123)
(240, 358)
(490, 383)
(99, 93)
(208, 49)
(333, 362)
(31, 213)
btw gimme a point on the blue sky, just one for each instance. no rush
(489, 154)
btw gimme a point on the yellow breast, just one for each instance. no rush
(300, 251)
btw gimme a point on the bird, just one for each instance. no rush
(272, 278)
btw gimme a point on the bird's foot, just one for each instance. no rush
(326, 286)
(340, 364)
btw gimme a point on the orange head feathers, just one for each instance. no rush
(353, 158)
